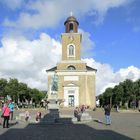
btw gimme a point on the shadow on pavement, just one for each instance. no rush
(99, 121)
(60, 131)
(12, 123)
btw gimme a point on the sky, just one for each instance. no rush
(30, 38)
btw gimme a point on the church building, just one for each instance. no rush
(76, 81)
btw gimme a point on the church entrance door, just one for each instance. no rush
(71, 100)
(71, 96)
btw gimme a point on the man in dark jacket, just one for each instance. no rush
(107, 109)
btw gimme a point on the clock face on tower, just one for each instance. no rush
(71, 39)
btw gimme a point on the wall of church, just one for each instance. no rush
(77, 83)
(64, 66)
(87, 90)
(66, 40)
(91, 89)
(86, 84)
(60, 87)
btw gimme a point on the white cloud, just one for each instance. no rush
(43, 13)
(27, 60)
(106, 77)
(12, 4)
(101, 7)
(131, 72)
(87, 45)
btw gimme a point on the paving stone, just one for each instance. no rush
(125, 126)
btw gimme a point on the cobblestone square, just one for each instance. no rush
(125, 126)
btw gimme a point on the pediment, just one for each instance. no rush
(70, 85)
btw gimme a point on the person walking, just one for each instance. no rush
(107, 109)
(11, 106)
(6, 115)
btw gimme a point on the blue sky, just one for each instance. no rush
(111, 31)
(116, 38)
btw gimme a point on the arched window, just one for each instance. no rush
(71, 67)
(71, 50)
(71, 27)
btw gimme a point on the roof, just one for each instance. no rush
(87, 68)
(52, 69)
(90, 68)
(71, 18)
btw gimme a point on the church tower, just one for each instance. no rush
(76, 80)
(71, 40)
(71, 47)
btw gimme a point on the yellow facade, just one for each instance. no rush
(76, 80)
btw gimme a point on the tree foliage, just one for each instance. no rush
(20, 92)
(126, 92)
(3, 83)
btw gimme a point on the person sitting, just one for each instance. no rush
(83, 108)
(38, 116)
(77, 114)
(27, 116)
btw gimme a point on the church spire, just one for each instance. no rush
(71, 13)
(71, 24)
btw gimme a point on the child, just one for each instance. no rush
(27, 116)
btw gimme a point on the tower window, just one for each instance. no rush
(71, 27)
(71, 67)
(71, 50)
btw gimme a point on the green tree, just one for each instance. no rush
(37, 95)
(118, 94)
(12, 89)
(128, 91)
(22, 91)
(137, 92)
(3, 83)
(107, 95)
(101, 100)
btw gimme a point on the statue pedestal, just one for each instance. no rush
(86, 117)
(53, 108)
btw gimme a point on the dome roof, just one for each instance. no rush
(71, 19)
